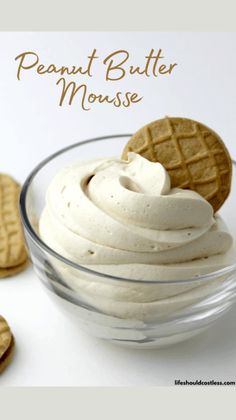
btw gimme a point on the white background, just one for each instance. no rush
(51, 351)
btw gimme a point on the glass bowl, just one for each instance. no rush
(117, 309)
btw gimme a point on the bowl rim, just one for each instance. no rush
(41, 244)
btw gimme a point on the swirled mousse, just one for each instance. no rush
(123, 218)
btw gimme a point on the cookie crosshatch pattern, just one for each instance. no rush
(12, 249)
(194, 156)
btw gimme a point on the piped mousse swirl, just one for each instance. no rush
(124, 219)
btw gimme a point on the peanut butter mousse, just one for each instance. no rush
(122, 218)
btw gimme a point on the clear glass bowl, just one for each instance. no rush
(110, 314)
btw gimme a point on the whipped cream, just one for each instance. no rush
(124, 219)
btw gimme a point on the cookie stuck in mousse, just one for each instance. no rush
(194, 155)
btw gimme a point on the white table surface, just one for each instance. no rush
(51, 350)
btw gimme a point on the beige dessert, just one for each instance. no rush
(124, 219)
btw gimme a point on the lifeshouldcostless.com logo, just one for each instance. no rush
(201, 382)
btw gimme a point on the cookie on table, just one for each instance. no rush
(194, 155)
(12, 271)
(13, 255)
(7, 344)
